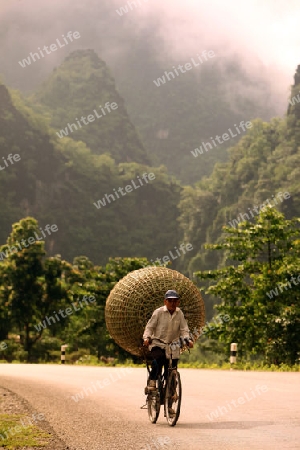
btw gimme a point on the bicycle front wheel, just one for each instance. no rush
(154, 401)
(173, 398)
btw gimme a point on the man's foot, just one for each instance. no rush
(171, 412)
(151, 386)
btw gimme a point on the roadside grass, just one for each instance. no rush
(90, 360)
(14, 436)
(258, 367)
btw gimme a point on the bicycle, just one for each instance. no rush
(169, 390)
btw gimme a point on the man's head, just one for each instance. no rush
(172, 300)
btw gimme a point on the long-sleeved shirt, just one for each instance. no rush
(166, 327)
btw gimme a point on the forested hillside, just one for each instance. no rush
(64, 183)
(264, 163)
(60, 181)
(82, 86)
(174, 118)
(171, 120)
(108, 153)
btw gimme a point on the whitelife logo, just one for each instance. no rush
(294, 100)
(124, 9)
(11, 158)
(3, 346)
(159, 442)
(267, 203)
(120, 373)
(221, 410)
(53, 47)
(31, 240)
(209, 326)
(183, 248)
(90, 118)
(225, 136)
(18, 428)
(129, 188)
(68, 311)
(188, 66)
(274, 292)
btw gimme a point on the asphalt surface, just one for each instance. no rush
(224, 410)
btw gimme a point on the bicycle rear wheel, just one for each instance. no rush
(173, 398)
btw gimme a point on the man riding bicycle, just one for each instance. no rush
(166, 325)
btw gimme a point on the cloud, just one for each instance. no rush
(268, 29)
(262, 33)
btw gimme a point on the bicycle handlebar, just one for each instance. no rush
(182, 343)
(180, 340)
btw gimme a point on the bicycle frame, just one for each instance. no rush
(166, 394)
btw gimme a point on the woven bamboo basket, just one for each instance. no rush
(133, 299)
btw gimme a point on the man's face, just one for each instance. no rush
(171, 304)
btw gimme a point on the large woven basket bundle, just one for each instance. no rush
(133, 299)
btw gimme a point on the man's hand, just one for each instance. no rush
(188, 343)
(146, 342)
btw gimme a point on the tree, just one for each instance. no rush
(88, 329)
(260, 287)
(32, 284)
(47, 301)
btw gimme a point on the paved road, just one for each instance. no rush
(221, 410)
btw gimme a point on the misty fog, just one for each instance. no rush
(263, 35)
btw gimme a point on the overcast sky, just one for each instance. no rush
(265, 31)
(267, 28)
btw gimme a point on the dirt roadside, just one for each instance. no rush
(10, 403)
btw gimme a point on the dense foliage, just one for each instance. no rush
(59, 181)
(46, 302)
(175, 118)
(259, 288)
(82, 85)
(263, 164)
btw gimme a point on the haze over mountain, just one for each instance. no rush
(258, 32)
(249, 77)
(61, 181)
(83, 86)
(89, 182)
